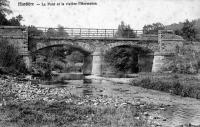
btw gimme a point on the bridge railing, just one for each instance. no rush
(89, 33)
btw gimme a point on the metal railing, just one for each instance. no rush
(88, 33)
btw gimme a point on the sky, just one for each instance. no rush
(107, 13)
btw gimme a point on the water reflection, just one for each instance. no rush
(87, 90)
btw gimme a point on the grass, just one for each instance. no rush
(67, 111)
(178, 84)
(62, 114)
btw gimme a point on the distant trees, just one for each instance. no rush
(188, 31)
(34, 31)
(125, 31)
(61, 32)
(123, 59)
(153, 28)
(15, 21)
(51, 32)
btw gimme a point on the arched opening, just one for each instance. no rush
(127, 59)
(63, 59)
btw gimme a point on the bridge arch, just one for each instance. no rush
(142, 45)
(85, 48)
(144, 54)
(79, 45)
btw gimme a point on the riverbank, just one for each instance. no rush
(184, 85)
(104, 104)
(25, 104)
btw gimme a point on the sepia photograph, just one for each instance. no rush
(99, 63)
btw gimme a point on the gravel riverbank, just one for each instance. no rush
(25, 104)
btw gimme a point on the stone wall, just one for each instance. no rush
(16, 36)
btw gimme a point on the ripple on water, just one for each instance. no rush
(178, 115)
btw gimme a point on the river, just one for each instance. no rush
(180, 110)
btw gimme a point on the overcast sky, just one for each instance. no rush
(107, 13)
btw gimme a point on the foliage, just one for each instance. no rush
(3, 20)
(185, 60)
(122, 59)
(15, 21)
(51, 32)
(175, 85)
(56, 59)
(153, 28)
(33, 31)
(4, 10)
(190, 30)
(76, 57)
(125, 31)
(10, 58)
(61, 32)
(4, 7)
(8, 54)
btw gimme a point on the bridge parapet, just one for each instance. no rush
(88, 33)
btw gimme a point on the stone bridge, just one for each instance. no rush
(93, 43)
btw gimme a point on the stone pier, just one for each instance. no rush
(162, 62)
(97, 62)
(87, 65)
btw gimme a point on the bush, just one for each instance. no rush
(174, 87)
(10, 58)
(177, 88)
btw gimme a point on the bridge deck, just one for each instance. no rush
(152, 38)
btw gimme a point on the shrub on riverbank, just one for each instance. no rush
(171, 85)
(10, 60)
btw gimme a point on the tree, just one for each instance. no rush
(76, 57)
(125, 31)
(123, 59)
(4, 10)
(3, 20)
(33, 31)
(4, 7)
(51, 32)
(188, 31)
(61, 32)
(153, 28)
(15, 21)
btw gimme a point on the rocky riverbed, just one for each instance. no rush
(16, 92)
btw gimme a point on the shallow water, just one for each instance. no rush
(180, 110)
